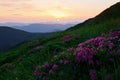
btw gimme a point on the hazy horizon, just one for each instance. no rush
(38, 27)
(55, 11)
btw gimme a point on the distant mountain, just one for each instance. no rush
(43, 28)
(111, 14)
(10, 37)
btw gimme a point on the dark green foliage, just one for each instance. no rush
(19, 63)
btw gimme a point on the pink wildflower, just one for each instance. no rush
(66, 38)
(61, 61)
(39, 47)
(92, 74)
(36, 70)
(66, 62)
(51, 72)
(46, 65)
(54, 66)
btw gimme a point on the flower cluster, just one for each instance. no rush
(90, 52)
(92, 74)
(36, 70)
(39, 47)
(115, 33)
(66, 38)
(85, 54)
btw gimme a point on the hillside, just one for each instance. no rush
(110, 15)
(88, 51)
(9, 37)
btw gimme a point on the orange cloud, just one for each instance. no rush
(40, 10)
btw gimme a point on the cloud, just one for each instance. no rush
(15, 1)
(15, 4)
(5, 5)
(17, 14)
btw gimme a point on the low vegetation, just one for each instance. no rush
(89, 52)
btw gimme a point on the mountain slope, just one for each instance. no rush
(108, 15)
(10, 37)
(75, 54)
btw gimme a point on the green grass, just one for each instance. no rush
(20, 62)
(23, 69)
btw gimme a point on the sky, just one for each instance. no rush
(51, 10)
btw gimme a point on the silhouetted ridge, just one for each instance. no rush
(10, 37)
(111, 13)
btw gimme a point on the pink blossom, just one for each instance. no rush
(36, 70)
(110, 45)
(66, 62)
(81, 45)
(54, 66)
(114, 33)
(51, 71)
(46, 65)
(39, 47)
(85, 53)
(92, 74)
(71, 49)
(61, 61)
(66, 38)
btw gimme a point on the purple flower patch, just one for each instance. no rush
(66, 38)
(92, 74)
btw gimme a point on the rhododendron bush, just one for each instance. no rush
(94, 59)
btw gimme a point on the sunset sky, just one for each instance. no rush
(51, 10)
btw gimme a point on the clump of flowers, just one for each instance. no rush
(115, 33)
(93, 54)
(92, 74)
(53, 68)
(36, 70)
(66, 62)
(46, 65)
(66, 38)
(39, 47)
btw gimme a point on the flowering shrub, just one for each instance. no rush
(86, 60)
(92, 74)
(39, 47)
(66, 38)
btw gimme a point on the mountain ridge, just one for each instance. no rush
(11, 37)
(108, 14)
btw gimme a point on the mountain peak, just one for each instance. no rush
(111, 12)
